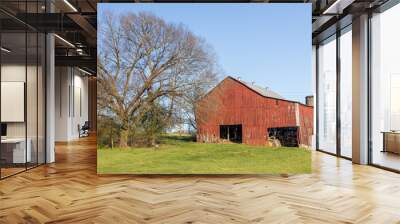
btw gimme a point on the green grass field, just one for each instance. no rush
(178, 155)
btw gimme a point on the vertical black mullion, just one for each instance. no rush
(45, 89)
(37, 88)
(317, 96)
(45, 95)
(338, 81)
(369, 88)
(73, 92)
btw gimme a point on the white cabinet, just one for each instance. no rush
(19, 155)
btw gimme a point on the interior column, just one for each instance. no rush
(360, 90)
(50, 92)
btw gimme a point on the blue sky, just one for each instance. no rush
(269, 44)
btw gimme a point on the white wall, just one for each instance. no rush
(16, 73)
(13, 100)
(33, 126)
(80, 115)
(71, 94)
(62, 82)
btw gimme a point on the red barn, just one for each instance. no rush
(245, 113)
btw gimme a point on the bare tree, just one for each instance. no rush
(143, 59)
(189, 102)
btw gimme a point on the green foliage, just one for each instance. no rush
(180, 155)
(147, 133)
(107, 132)
(153, 123)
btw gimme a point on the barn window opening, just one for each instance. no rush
(231, 133)
(283, 136)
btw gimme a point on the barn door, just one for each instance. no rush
(231, 133)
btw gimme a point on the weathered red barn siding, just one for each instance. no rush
(306, 124)
(231, 102)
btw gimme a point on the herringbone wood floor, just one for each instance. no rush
(69, 191)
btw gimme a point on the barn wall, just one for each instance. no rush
(306, 125)
(233, 103)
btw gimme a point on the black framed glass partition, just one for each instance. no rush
(345, 93)
(22, 77)
(334, 93)
(385, 89)
(13, 90)
(326, 110)
(378, 78)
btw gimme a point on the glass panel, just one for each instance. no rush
(385, 84)
(41, 98)
(32, 87)
(31, 98)
(23, 90)
(327, 95)
(13, 86)
(346, 93)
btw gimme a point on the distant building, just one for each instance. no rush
(310, 100)
(241, 112)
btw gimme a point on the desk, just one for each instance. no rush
(391, 141)
(13, 150)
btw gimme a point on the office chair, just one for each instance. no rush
(84, 130)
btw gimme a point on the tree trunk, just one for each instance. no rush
(123, 138)
(153, 140)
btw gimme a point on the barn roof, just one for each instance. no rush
(260, 90)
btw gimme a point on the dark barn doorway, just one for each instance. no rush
(287, 136)
(231, 133)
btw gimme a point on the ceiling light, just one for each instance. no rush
(65, 41)
(79, 51)
(5, 50)
(70, 5)
(84, 71)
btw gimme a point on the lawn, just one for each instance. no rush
(179, 155)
